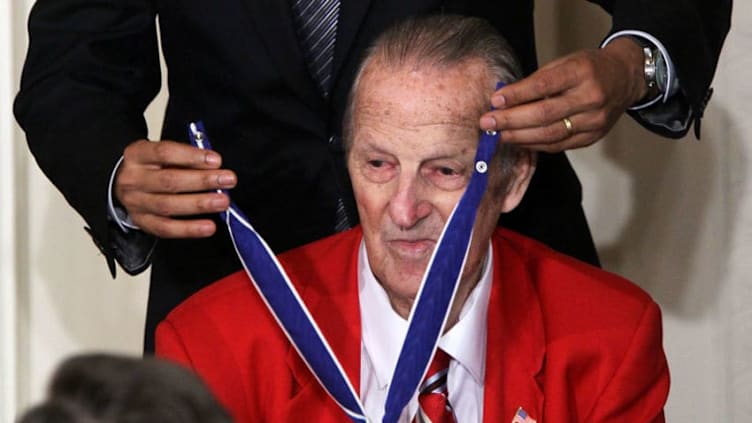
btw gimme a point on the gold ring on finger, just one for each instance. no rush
(568, 124)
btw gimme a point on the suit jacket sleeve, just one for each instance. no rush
(638, 388)
(92, 68)
(693, 32)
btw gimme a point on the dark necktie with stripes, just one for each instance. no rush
(433, 398)
(316, 25)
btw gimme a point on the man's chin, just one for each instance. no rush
(410, 272)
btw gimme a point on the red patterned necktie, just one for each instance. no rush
(433, 399)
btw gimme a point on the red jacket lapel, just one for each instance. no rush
(516, 340)
(334, 305)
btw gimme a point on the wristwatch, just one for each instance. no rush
(655, 69)
(650, 71)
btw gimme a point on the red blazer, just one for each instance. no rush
(566, 341)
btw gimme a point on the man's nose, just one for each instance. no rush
(409, 206)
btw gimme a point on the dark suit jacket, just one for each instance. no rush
(92, 68)
(566, 341)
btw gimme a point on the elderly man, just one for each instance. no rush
(530, 335)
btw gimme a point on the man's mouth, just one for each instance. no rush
(412, 248)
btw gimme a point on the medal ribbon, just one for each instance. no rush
(428, 315)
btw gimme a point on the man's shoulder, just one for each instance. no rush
(599, 335)
(222, 300)
(569, 290)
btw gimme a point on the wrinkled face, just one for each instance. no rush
(414, 138)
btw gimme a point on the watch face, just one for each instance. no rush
(661, 73)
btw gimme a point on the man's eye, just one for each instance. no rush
(378, 170)
(447, 171)
(448, 178)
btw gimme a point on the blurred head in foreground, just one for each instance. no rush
(97, 388)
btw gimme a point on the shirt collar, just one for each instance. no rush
(383, 330)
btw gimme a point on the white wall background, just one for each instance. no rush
(56, 295)
(674, 216)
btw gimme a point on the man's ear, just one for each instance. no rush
(520, 178)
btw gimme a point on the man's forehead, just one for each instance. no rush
(418, 147)
(438, 95)
(385, 113)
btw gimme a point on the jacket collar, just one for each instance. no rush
(516, 340)
(334, 306)
(352, 14)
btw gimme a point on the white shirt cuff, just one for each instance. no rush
(672, 82)
(118, 214)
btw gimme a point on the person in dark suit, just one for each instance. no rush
(92, 67)
(528, 327)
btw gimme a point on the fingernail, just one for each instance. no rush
(498, 101)
(212, 159)
(487, 122)
(205, 229)
(218, 203)
(226, 181)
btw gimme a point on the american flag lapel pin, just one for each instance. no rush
(521, 416)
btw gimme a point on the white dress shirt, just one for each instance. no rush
(383, 332)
